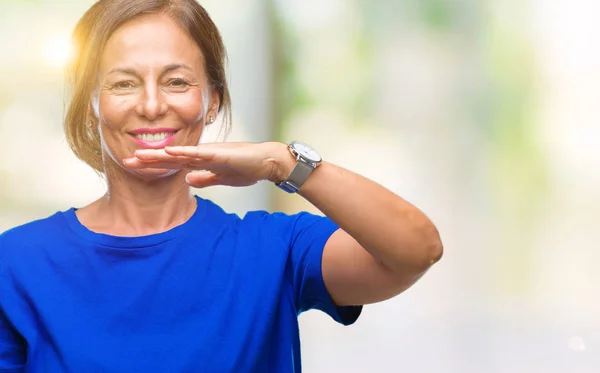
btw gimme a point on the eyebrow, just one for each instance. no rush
(123, 70)
(167, 69)
(176, 66)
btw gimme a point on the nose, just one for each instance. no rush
(152, 104)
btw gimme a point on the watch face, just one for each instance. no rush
(306, 151)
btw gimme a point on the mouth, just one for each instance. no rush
(153, 138)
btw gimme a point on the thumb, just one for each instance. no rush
(201, 179)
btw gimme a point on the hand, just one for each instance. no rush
(231, 164)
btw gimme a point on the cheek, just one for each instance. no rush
(114, 113)
(189, 107)
(114, 110)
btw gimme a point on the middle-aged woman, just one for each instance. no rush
(150, 278)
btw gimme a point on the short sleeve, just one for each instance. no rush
(307, 235)
(12, 351)
(12, 345)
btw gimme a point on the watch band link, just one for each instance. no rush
(296, 178)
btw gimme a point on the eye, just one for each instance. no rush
(178, 83)
(124, 84)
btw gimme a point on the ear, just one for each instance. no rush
(213, 108)
(93, 106)
(91, 113)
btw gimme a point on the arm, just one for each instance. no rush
(385, 244)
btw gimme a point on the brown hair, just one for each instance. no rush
(90, 36)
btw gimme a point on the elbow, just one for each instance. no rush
(419, 254)
(429, 254)
(431, 247)
(435, 251)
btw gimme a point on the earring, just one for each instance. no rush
(90, 124)
(211, 120)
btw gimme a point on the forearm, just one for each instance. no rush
(392, 230)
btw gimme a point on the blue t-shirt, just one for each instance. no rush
(218, 293)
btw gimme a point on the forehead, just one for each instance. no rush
(151, 41)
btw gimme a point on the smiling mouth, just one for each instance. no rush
(153, 137)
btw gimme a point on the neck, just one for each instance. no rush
(135, 207)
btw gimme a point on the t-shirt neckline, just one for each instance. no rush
(136, 242)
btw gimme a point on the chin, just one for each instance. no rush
(150, 174)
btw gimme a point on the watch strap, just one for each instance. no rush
(297, 177)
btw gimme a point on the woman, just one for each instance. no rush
(149, 278)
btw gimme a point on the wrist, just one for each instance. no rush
(304, 160)
(283, 162)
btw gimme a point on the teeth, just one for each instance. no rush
(149, 137)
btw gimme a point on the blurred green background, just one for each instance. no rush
(482, 113)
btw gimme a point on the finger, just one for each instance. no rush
(189, 151)
(137, 164)
(149, 153)
(201, 179)
(209, 153)
(159, 155)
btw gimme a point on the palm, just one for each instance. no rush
(231, 164)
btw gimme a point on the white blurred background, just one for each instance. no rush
(483, 113)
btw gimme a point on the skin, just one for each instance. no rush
(140, 88)
(384, 244)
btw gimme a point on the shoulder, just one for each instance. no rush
(280, 218)
(261, 219)
(261, 225)
(289, 227)
(33, 227)
(36, 231)
(277, 221)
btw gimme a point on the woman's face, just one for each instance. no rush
(152, 91)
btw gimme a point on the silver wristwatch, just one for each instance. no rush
(307, 159)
